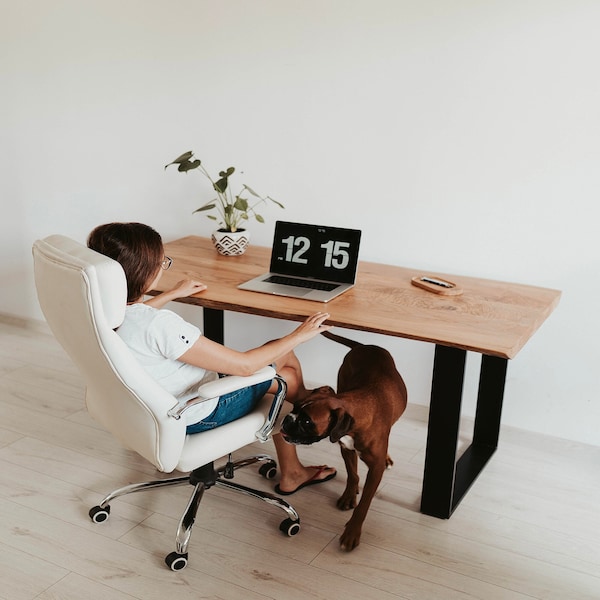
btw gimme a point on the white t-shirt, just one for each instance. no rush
(157, 338)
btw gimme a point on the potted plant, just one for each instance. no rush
(233, 210)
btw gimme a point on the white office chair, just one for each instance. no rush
(83, 297)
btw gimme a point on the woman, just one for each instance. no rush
(180, 358)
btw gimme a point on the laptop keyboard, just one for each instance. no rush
(302, 283)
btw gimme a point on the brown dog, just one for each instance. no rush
(371, 397)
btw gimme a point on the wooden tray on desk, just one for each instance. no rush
(437, 285)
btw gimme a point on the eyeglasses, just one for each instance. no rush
(166, 262)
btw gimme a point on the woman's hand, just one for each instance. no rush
(182, 289)
(312, 326)
(186, 287)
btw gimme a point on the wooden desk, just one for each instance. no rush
(492, 318)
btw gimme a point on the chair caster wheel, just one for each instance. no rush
(98, 514)
(290, 527)
(176, 561)
(268, 470)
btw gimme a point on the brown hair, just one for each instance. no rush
(137, 247)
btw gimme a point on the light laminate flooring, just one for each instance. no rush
(528, 528)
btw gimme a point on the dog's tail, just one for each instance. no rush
(341, 340)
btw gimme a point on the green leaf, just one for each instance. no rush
(184, 159)
(275, 202)
(259, 218)
(221, 184)
(241, 204)
(208, 206)
(188, 166)
(246, 187)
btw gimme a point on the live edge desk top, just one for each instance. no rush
(492, 318)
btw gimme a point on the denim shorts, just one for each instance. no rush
(232, 406)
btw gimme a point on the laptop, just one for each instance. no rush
(312, 262)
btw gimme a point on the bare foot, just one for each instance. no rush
(292, 482)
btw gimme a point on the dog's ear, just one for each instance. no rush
(324, 389)
(344, 423)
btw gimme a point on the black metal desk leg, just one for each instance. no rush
(214, 324)
(492, 381)
(442, 432)
(446, 480)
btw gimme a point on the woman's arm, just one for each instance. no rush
(183, 289)
(215, 357)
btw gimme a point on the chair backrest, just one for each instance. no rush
(83, 295)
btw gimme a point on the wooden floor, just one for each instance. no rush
(529, 527)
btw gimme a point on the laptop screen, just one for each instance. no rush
(315, 251)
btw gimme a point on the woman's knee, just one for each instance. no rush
(287, 360)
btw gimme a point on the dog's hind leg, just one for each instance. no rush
(347, 500)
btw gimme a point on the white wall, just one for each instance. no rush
(460, 136)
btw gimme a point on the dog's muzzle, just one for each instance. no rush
(300, 429)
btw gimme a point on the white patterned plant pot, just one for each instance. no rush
(231, 244)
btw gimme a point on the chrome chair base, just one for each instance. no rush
(203, 478)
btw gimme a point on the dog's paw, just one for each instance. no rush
(347, 501)
(350, 538)
(389, 463)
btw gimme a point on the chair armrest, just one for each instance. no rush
(265, 431)
(222, 386)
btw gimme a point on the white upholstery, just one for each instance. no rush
(83, 297)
